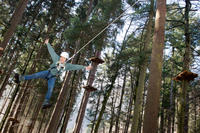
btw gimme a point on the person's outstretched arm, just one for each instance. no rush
(70, 67)
(53, 54)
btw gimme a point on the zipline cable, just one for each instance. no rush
(102, 31)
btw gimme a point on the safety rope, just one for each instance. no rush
(102, 31)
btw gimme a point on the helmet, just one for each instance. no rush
(64, 54)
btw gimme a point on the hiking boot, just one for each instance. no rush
(46, 104)
(16, 78)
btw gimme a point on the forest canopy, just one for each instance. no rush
(133, 66)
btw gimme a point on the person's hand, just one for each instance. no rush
(1, 49)
(46, 41)
(89, 68)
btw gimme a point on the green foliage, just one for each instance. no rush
(68, 21)
(4, 17)
(195, 34)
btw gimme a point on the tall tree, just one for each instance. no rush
(153, 94)
(130, 104)
(90, 81)
(117, 125)
(143, 69)
(16, 18)
(85, 99)
(182, 115)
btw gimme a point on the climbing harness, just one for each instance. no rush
(58, 67)
(51, 76)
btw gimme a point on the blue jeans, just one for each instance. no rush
(44, 75)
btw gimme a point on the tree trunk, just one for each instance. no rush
(89, 9)
(26, 110)
(115, 68)
(69, 105)
(35, 114)
(181, 106)
(174, 110)
(186, 120)
(97, 108)
(171, 97)
(120, 104)
(143, 69)
(15, 110)
(85, 99)
(162, 118)
(9, 107)
(182, 112)
(198, 125)
(9, 72)
(4, 58)
(105, 100)
(153, 95)
(16, 18)
(195, 115)
(114, 99)
(6, 61)
(129, 113)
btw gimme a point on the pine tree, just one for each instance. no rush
(153, 95)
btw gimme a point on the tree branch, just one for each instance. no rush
(178, 21)
(174, 26)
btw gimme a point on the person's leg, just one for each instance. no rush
(51, 83)
(42, 74)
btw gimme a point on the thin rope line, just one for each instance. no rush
(102, 31)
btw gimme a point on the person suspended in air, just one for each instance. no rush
(57, 69)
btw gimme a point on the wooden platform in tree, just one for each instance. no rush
(96, 60)
(186, 75)
(13, 120)
(89, 88)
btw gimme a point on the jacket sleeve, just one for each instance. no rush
(53, 54)
(70, 67)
